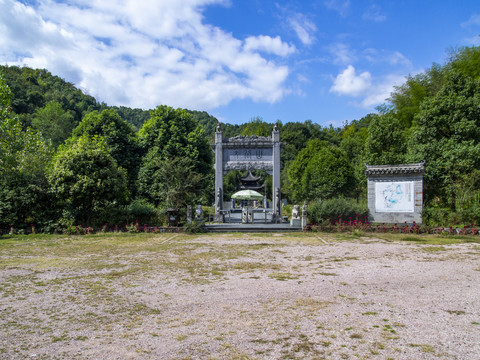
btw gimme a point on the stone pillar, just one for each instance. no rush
(276, 173)
(218, 171)
(189, 214)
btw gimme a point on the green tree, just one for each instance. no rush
(466, 60)
(86, 180)
(353, 142)
(54, 123)
(24, 195)
(172, 134)
(256, 126)
(135, 117)
(447, 135)
(408, 97)
(172, 182)
(118, 135)
(386, 141)
(320, 171)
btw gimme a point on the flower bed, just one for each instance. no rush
(355, 225)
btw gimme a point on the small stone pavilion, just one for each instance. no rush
(395, 193)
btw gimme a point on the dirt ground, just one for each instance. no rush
(237, 296)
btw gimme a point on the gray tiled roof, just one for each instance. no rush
(403, 169)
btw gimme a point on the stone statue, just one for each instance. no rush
(199, 212)
(296, 212)
(218, 201)
(244, 215)
(304, 215)
(219, 129)
(277, 201)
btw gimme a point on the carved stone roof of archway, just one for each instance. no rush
(249, 138)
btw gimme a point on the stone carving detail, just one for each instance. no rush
(248, 165)
(249, 138)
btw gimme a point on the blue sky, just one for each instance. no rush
(327, 60)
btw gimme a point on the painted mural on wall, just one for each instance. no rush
(394, 196)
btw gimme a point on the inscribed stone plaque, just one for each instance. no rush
(394, 196)
(248, 154)
(257, 158)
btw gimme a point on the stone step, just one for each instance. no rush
(250, 228)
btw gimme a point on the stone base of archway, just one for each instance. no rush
(236, 227)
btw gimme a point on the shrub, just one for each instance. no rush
(333, 209)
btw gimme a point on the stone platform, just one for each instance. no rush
(238, 227)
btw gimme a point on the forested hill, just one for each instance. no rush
(34, 89)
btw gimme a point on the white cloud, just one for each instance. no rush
(143, 53)
(340, 6)
(381, 90)
(373, 93)
(303, 27)
(474, 20)
(374, 13)
(349, 83)
(342, 53)
(385, 56)
(268, 44)
(475, 40)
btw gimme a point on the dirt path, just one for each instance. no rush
(239, 297)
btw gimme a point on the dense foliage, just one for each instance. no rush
(65, 158)
(86, 180)
(118, 135)
(177, 167)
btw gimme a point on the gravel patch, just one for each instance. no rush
(242, 297)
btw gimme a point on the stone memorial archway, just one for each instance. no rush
(247, 153)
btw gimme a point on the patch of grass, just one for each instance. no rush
(259, 341)
(455, 312)
(424, 347)
(252, 266)
(427, 239)
(311, 304)
(62, 337)
(389, 329)
(412, 238)
(432, 249)
(370, 313)
(282, 276)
